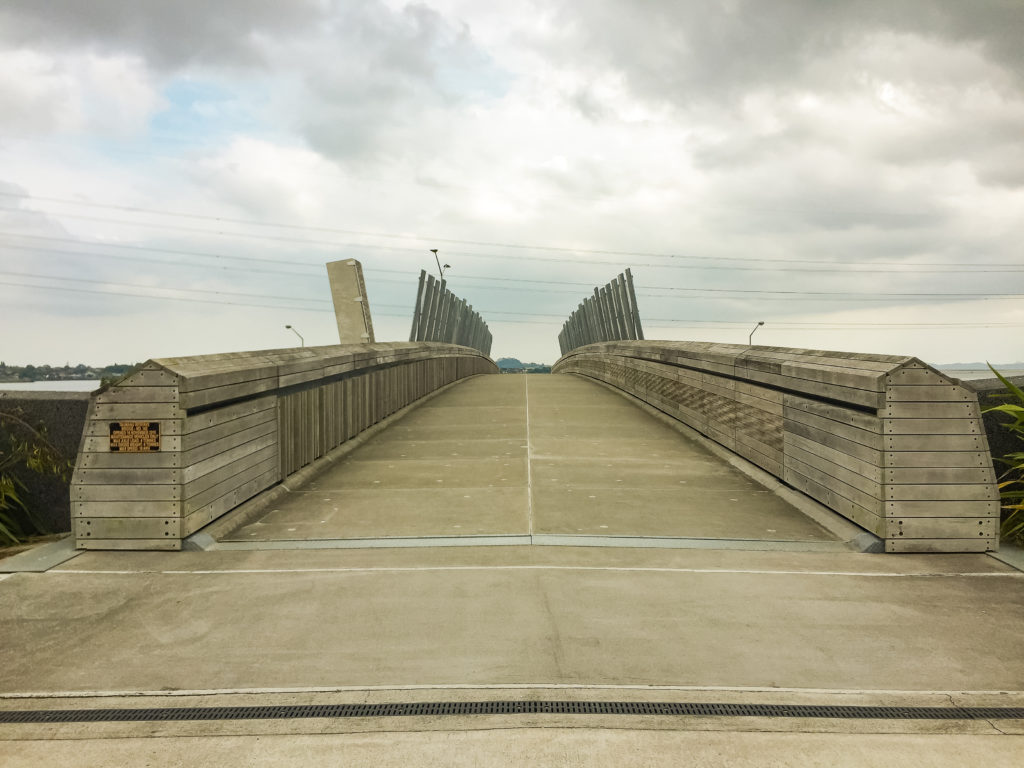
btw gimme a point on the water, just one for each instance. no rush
(982, 374)
(79, 385)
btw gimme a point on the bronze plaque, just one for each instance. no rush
(134, 436)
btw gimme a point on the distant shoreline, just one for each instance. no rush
(62, 385)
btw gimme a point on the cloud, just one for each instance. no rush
(81, 92)
(167, 35)
(837, 132)
(268, 180)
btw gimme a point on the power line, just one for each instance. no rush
(160, 288)
(146, 248)
(674, 322)
(902, 268)
(485, 243)
(763, 294)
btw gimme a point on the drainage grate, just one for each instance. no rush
(445, 708)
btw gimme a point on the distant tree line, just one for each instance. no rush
(512, 365)
(66, 372)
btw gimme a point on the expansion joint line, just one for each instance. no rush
(529, 458)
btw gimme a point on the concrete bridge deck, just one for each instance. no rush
(542, 459)
(273, 624)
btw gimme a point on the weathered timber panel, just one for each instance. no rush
(873, 437)
(231, 426)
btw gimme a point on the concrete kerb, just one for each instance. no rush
(1009, 554)
(207, 538)
(855, 537)
(41, 558)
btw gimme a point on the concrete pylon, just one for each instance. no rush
(351, 305)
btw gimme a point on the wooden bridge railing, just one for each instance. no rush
(181, 441)
(888, 442)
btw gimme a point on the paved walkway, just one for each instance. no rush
(109, 630)
(542, 456)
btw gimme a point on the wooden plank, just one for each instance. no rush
(767, 432)
(724, 438)
(139, 395)
(942, 509)
(301, 377)
(195, 470)
(203, 482)
(943, 475)
(817, 389)
(858, 361)
(338, 368)
(763, 393)
(935, 443)
(127, 477)
(128, 527)
(135, 411)
(833, 484)
(768, 406)
(129, 544)
(214, 492)
(916, 377)
(197, 422)
(941, 545)
(201, 437)
(863, 468)
(823, 426)
(229, 441)
(122, 492)
(942, 528)
(863, 517)
(977, 492)
(843, 474)
(108, 460)
(242, 493)
(932, 426)
(963, 410)
(945, 393)
(869, 422)
(205, 397)
(126, 508)
(925, 459)
(212, 379)
(151, 377)
(836, 376)
(760, 454)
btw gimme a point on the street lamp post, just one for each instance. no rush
(297, 334)
(750, 338)
(440, 269)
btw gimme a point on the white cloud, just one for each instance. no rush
(81, 93)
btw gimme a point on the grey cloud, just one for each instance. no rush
(167, 35)
(395, 77)
(719, 49)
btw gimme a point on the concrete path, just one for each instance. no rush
(211, 629)
(112, 630)
(514, 456)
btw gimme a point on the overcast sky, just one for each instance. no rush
(173, 176)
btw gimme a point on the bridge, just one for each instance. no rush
(661, 546)
(886, 443)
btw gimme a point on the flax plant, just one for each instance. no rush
(27, 449)
(1011, 481)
